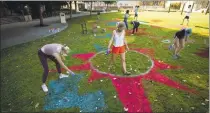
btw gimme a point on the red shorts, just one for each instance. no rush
(118, 50)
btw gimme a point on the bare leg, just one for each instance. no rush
(183, 21)
(176, 46)
(123, 62)
(112, 60)
(187, 22)
(181, 46)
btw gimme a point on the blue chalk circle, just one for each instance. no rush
(63, 93)
(112, 23)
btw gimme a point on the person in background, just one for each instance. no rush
(187, 16)
(179, 41)
(126, 18)
(136, 12)
(135, 26)
(56, 53)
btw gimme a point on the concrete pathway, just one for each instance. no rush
(22, 32)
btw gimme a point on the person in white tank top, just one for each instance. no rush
(119, 46)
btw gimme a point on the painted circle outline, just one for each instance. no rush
(101, 72)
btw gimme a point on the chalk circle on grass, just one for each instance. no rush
(166, 41)
(102, 67)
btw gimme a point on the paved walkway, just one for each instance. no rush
(22, 32)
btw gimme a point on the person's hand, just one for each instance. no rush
(71, 72)
(127, 48)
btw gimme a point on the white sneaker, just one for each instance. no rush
(63, 76)
(44, 88)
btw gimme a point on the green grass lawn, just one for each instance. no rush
(21, 72)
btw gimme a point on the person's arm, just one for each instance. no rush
(58, 58)
(125, 42)
(186, 38)
(111, 40)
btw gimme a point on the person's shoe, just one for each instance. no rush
(175, 57)
(44, 88)
(178, 56)
(63, 76)
(127, 73)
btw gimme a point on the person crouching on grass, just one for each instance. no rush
(180, 39)
(119, 44)
(135, 26)
(56, 53)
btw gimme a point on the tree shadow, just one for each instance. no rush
(202, 27)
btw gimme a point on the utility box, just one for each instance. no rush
(63, 18)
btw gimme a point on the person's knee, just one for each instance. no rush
(46, 70)
(181, 46)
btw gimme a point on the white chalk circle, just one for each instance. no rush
(166, 41)
(139, 74)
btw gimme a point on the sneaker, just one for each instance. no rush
(63, 76)
(44, 88)
(127, 73)
(175, 57)
(178, 56)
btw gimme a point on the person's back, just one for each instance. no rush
(50, 49)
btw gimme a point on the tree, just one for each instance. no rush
(75, 3)
(109, 2)
(183, 8)
(91, 5)
(70, 5)
(207, 8)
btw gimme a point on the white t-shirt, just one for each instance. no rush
(50, 49)
(136, 10)
(188, 12)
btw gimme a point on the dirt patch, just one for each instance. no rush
(190, 41)
(203, 52)
(164, 36)
(155, 26)
(156, 20)
(133, 46)
(141, 31)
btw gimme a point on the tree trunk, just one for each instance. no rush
(164, 3)
(91, 4)
(169, 8)
(207, 8)
(40, 15)
(183, 8)
(70, 3)
(75, 3)
(192, 7)
(107, 7)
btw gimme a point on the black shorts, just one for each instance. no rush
(136, 15)
(186, 17)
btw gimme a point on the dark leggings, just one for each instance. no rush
(135, 28)
(126, 24)
(43, 59)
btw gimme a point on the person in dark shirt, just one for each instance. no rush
(135, 26)
(179, 41)
(126, 18)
